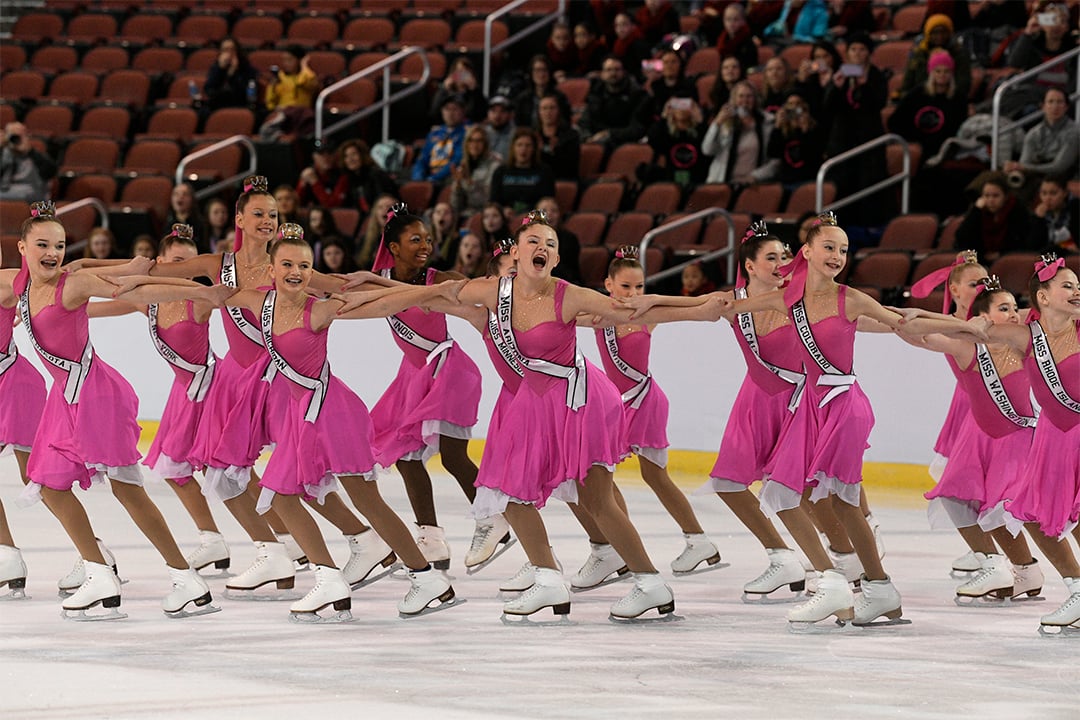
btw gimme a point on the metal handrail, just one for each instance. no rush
(904, 177)
(527, 30)
(383, 104)
(995, 113)
(700, 215)
(93, 202)
(209, 150)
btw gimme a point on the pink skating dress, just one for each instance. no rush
(22, 390)
(557, 426)
(510, 372)
(958, 415)
(88, 430)
(436, 390)
(323, 430)
(626, 363)
(831, 427)
(230, 455)
(1050, 492)
(988, 454)
(763, 407)
(185, 345)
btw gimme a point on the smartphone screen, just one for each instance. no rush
(851, 70)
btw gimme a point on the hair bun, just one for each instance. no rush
(256, 183)
(291, 231)
(43, 209)
(827, 218)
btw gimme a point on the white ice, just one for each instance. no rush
(726, 659)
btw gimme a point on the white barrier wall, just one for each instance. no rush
(698, 365)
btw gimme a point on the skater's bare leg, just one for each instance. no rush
(369, 501)
(1058, 552)
(71, 514)
(1015, 548)
(596, 536)
(744, 504)
(530, 530)
(303, 528)
(150, 521)
(194, 502)
(806, 536)
(418, 488)
(456, 460)
(977, 539)
(269, 518)
(824, 518)
(598, 499)
(864, 504)
(334, 509)
(255, 525)
(862, 537)
(5, 529)
(671, 497)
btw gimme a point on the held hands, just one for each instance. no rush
(640, 304)
(451, 289)
(980, 327)
(124, 284)
(216, 295)
(358, 278)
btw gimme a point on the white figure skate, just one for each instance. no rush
(965, 564)
(100, 587)
(549, 591)
(873, 523)
(602, 563)
(12, 573)
(293, 550)
(784, 569)
(367, 553)
(272, 565)
(330, 590)
(490, 540)
(995, 579)
(849, 564)
(428, 587)
(1027, 580)
(432, 543)
(524, 578)
(650, 592)
(188, 588)
(699, 549)
(212, 550)
(833, 598)
(1065, 621)
(74, 579)
(879, 599)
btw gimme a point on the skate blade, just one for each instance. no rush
(255, 596)
(81, 616)
(511, 620)
(884, 620)
(383, 572)
(989, 600)
(623, 574)
(207, 609)
(707, 567)
(1059, 631)
(452, 602)
(14, 594)
(770, 599)
(503, 547)
(822, 627)
(1029, 596)
(641, 620)
(314, 618)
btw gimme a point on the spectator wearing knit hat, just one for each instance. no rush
(937, 35)
(933, 112)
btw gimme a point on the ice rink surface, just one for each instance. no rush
(725, 659)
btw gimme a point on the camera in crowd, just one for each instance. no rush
(14, 139)
(1015, 179)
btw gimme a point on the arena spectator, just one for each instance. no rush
(461, 82)
(996, 222)
(471, 257)
(937, 35)
(364, 179)
(561, 51)
(569, 267)
(655, 19)
(736, 138)
(144, 246)
(815, 73)
(731, 72)
(847, 17)
(493, 224)
(617, 110)
(934, 112)
(219, 221)
(591, 50)
(288, 204)
(500, 125)
(1038, 43)
(670, 82)
(444, 144)
(322, 228)
(695, 282)
(677, 137)
(541, 82)
(778, 84)
(322, 182)
(445, 237)
(629, 45)
(1050, 148)
(182, 209)
(1056, 225)
(101, 245)
(230, 79)
(335, 258)
(736, 38)
(796, 146)
(290, 97)
(371, 231)
(560, 144)
(24, 171)
(470, 186)
(523, 179)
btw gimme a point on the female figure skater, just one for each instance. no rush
(322, 430)
(824, 444)
(1048, 502)
(624, 351)
(961, 280)
(88, 430)
(988, 453)
(562, 433)
(431, 405)
(22, 399)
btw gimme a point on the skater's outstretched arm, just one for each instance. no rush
(141, 290)
(387, 301)
(207, 266)
(135, 266)
(1018, 337)
(113, 308)
(859, 304)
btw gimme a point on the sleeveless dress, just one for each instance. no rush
(1050, 493)
(958, 415)
(436, 391)
(319, 433)
(829, 432)
(987, 455)
(22, 390)
(644, 404)
(545, 446)
(93, 435)
(761, 411)
(508, 371)
(229, 456)
(174, 453)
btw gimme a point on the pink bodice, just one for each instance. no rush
(7, 317)
(303, 348)
(835, 337)
(242, 348)
(510, 378)
(431, 325)
(985, 411)
(60, 331)
(553, 340)
(634, 349)
(1069, 371)
(189, 338)
(781, 348)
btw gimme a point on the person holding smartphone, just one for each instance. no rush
(670, 82)
(736, 138)
(24, 171)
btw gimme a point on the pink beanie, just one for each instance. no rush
(938, 58)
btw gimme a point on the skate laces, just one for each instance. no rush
(480, 537)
